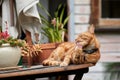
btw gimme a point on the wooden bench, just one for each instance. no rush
(40, 71)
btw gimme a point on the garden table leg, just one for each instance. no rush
(79, 75)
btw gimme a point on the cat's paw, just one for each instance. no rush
(63, 64)
(45, 62)
(55, 63)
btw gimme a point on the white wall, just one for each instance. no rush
(82, 15)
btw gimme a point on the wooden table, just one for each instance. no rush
(40, 71)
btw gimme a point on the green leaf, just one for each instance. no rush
(57, 11)
(62, 13)
(44, 9)
(66, 20)
(57, 23)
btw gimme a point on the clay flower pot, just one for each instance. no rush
(46, 50)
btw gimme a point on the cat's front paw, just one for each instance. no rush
(55, 63)
(63, 64)
(45, 62)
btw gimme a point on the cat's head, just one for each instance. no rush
(85, 38)
(86, 43)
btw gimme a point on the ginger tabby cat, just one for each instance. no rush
(85, 49)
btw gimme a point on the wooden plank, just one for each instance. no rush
(109, 22)
(82, 9)
(45, 71)
(81, 28)
(108, 37)
(10, 68)
(82, 19)
(82, 1)
(110, 47)
(95, 13)
(110, 58)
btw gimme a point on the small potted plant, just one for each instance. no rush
(10, 51)
(53, 29)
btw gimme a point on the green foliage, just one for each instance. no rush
(54, 29)
(12, 42)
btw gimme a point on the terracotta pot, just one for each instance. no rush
(9, 56)
(36, 60)
(46, 50)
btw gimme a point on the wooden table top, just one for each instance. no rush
(42, 70)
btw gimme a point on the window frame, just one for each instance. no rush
(96, 16)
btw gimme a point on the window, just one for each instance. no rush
(105, 13)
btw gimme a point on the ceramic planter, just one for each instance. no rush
(9, 56)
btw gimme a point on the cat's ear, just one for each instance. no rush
(91, 29)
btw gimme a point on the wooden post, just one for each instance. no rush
(11, 2)
(28, 37)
